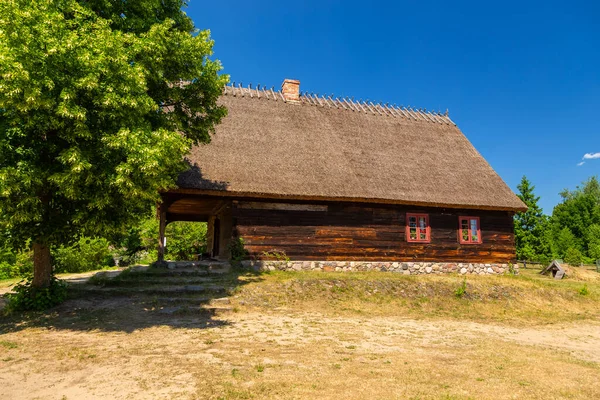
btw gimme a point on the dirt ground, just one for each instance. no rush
(289, 355)
(124, 348)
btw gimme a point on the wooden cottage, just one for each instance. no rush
(323, 179)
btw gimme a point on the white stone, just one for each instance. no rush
(463, 270)
(428, 269)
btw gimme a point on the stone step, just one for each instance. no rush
(209, 265)
(191, 271)
(165, 280)
(155, 290)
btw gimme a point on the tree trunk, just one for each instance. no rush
(42, 265)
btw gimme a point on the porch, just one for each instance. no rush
(215, 211)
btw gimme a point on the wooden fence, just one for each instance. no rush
(540, 265)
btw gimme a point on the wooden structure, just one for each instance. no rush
(319, 178)
(555, 269)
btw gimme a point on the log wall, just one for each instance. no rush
(362, 232)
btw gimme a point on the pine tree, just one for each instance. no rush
(530, 226)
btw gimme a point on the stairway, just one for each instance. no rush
(182, 287)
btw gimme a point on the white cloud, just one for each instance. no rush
(591, 156)
(580, 164)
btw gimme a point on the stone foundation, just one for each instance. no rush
(407, 268)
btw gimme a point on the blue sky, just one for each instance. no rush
(521, 79)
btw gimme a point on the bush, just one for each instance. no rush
(461, 290)
(185, 240)
(237, 251)
(15, 265)
(86, 255)
(28, 298)
(573, 256)
(584, 291)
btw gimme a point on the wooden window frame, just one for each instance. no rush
(459, 231)
(427, 228)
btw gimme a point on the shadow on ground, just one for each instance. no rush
(140, 298)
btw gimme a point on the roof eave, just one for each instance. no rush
(232, 194)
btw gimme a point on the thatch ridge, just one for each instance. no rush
(316, 150)
(344, 103)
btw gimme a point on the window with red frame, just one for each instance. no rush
(417, 228)
(469, 231)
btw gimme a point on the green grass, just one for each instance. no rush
(8, 345)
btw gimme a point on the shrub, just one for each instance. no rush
(16, 265)
(275, 255)
(86, 255)
(28, 298)
(461, 290)
(237, 251)
(185, 240)
(573, 256)
(584, 291)
(131, 247)
(7, 255)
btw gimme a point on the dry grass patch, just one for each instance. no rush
(316, 335)
(524, 299)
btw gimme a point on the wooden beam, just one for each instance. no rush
(173, 217)
(275, 197)
(219, 207)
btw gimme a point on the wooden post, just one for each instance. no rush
(162, 213)
(210, 228)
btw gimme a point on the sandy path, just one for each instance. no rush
(82, 277)
(167, 362)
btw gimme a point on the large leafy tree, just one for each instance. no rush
(578, 213)
(99, 102)
(530, 239)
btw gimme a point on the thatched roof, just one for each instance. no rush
(333, 150)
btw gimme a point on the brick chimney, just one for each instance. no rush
(291, 91)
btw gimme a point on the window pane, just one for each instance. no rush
(474, 228)
(412, 221)
(474, 225)
(465, 235)
(422, 222)
(423, 235)
(413, 233)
